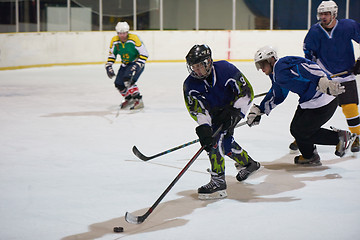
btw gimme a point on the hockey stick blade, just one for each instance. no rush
(130, 218)
(140, 155)
(147, 158)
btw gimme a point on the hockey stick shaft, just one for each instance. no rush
(139, 219)
(146, 158)
(339, 74)
(137, 152)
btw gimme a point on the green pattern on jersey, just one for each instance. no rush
(127, 50)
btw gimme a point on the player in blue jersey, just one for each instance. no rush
(317, 103)
(328, 43)
(218, 94)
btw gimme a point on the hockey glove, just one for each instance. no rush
(330, 87)
(228, 117)
(254, 116)
(205, 136)
(109, 71)
(356, 68)
(137, 65)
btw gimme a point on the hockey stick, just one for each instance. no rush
(130, 218)
(339, 74)
(147, 158)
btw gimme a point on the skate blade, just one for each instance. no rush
(355, 154)
(210, 196)
(136, 108)
(310, 164)
(139, 106)
(347, 147)
(294, 151)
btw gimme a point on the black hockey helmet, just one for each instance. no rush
(199, 54)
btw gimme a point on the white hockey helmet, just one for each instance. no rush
(122, 27)
(264, 53)
(327, 6)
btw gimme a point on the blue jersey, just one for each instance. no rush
(225, 86)
(333, 51)
(300, 76)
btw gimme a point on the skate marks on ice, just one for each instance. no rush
(275, 177)
(106, 114)
(102, 114)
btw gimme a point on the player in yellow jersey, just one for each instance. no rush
(133, 57)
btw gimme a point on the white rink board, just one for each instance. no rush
(29, 49)
(24, 49)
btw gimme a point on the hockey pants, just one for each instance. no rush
(306, 128)
(126, 77)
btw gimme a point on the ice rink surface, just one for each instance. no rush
(67, 170)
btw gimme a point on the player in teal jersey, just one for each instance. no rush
(133, 57)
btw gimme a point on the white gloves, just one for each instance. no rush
(254, 116)
(330, 87)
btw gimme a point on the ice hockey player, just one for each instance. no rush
(133, 57)
(317, 103)
(218, 94)
(328, 43)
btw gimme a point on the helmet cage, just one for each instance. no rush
(206, 63)
(199, 54)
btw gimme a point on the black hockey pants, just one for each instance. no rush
(306, 128)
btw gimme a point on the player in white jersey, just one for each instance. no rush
(317, 103)
(328, 43)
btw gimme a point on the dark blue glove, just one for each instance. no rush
(109, 71)
(205, 136)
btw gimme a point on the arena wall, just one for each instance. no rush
(20, 50)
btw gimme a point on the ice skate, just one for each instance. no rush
(313, 161)
(126, 103)
(215, 189)
(138, 104)
(346, 138)
(293, 147)
(355, 147)
(246, 171)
